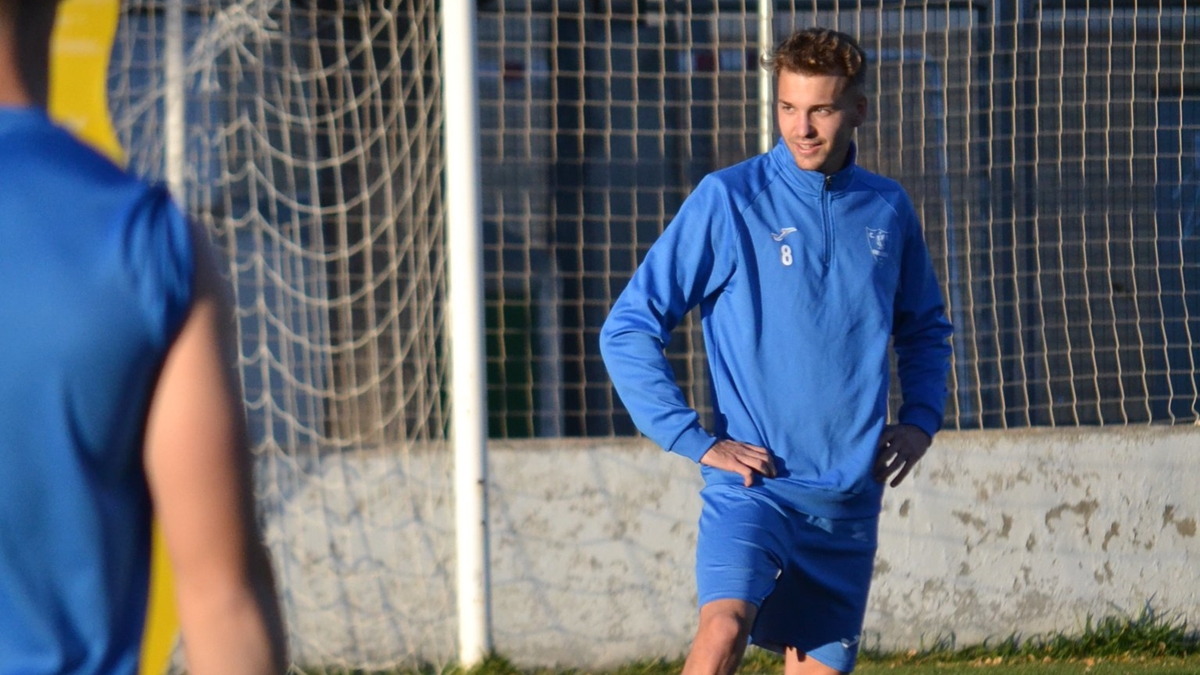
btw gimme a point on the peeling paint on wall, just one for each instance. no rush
(1083, 508)
(1185, 527)
(968, 519)
(1114, 530)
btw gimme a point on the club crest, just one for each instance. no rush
(878, 239)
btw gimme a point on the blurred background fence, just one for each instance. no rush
(1052, 151)
(1050, 148)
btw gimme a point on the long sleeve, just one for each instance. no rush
(687, 265)
(921, 334)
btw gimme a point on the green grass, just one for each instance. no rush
(1147, 644)
(760, 663)
(1149, 635)
(1148, 666)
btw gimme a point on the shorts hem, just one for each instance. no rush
(713, 597)
(845, 665)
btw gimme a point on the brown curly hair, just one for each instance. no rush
(819, 51)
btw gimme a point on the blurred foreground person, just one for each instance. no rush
(118, 400)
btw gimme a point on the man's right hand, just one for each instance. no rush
(740, 458)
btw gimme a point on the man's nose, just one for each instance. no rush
(804, 127)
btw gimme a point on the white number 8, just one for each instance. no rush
(785, 255)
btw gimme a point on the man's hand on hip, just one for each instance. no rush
(901, 446)
(740, 458)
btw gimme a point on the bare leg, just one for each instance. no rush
(721, 638)
(796, 663)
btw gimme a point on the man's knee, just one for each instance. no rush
(726, 623)
(723, 629)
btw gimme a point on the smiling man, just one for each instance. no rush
(804, 266)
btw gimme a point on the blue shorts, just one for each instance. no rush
(808, 576)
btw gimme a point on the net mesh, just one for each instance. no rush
(314, 159)
(1052, 151)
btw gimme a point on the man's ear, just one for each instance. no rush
(860, 110)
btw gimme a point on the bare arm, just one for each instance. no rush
(198, 468)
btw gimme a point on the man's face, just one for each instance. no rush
(817, 117)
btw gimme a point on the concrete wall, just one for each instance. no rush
(1032, 531)
(995, 533)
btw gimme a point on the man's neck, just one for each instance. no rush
(13, 92)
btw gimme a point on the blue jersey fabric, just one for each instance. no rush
(95, 280)
(801, 279)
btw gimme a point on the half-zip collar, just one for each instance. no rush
(813, 182)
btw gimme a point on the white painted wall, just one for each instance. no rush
(1033, 531)
(592, 545)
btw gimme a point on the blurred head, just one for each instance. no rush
(819, 78)
(25, 29)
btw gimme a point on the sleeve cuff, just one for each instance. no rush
(693, 443)
(923, 418)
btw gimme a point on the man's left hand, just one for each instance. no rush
(901, 446)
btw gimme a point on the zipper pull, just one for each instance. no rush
(828, 182)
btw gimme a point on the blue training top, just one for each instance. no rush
(95, 280)
(801, 278)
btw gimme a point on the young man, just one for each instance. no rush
(803, 265)
(117, 398)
